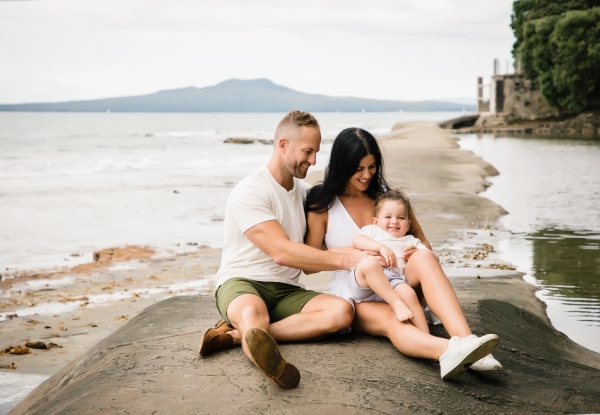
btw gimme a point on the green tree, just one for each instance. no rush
(558, 44)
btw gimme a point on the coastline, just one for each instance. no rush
(442, 180)
(586, 124)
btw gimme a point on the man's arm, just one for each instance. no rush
(271, 238)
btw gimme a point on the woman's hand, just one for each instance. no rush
(408, 251)
(389, 256)
(356, 255)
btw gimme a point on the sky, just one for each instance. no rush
(59, 50)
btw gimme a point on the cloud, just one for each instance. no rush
(72, 49)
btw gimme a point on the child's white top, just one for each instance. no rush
(397, 245)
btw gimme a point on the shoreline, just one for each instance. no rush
(420, 158)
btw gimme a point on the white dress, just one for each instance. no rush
(341, 229)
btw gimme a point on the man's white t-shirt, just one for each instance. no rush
(256, 199)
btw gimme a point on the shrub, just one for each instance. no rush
(560, 52)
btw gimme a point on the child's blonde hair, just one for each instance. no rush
(396, 196)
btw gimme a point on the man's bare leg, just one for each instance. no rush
(245, 312)
(249, 314)
(321, 315)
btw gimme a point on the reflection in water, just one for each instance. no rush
(568, 261)
(551, 188)
(567, 264)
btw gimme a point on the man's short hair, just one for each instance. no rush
(294, 120)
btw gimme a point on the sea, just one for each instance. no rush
(73, 183)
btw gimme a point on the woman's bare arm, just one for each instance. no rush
(316, 226)
(417, 231)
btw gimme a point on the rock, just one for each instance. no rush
(19, 350)
(151, 365)
(36, 345)
(235, 140)
(239, 140)
(586, 124)
(126, 253)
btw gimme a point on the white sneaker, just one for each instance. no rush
(486, 364)
(430, 317)
(462, 352)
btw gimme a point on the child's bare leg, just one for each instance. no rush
(410, 298)
(369, 274)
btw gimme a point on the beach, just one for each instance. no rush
(103, 298)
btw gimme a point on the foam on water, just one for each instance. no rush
(55, 308)
(44, 309)
(15, 386)
(38, 284)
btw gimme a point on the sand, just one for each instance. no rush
(75, 308)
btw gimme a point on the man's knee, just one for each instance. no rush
(248, 310)
(341, 315)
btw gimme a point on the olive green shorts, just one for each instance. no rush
(282, 300)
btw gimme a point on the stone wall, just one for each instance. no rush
(515, 98)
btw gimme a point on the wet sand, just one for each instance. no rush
(75, 308)
(443, 182)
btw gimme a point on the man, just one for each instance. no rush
(258, 289)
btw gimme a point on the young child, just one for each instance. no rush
(388, 236)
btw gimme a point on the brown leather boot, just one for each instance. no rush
(215, 338)
(266, 356)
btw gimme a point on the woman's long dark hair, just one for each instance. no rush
(349, 148)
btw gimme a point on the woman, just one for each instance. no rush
(337, 209)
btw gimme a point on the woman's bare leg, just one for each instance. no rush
(409, 297)
(379, 319)
(424, 269)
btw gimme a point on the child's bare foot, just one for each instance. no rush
(402, 312)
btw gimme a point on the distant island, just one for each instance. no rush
(234, 95)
